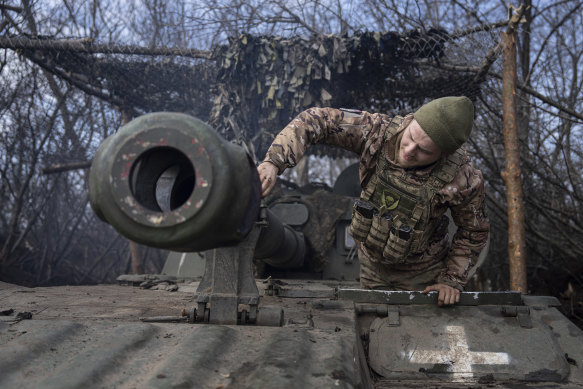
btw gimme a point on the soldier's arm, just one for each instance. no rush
(344, 128)
(465, 195)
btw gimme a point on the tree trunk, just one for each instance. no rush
(512, 173)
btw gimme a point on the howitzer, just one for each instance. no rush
(168, 180)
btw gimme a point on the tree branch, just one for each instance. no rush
(63, 167)
(87, 46)
(534, 93)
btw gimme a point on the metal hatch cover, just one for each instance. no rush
(464, 344)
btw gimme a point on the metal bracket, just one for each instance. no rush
(522, 314)
(228, 282)
(272, 289)
(394, 316)
(381, 310)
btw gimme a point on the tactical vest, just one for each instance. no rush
(393, 217)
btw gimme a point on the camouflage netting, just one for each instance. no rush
(252, 87)
(137, 83)
(263, 82)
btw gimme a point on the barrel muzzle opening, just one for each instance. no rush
(162, 179)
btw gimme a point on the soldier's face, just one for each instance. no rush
(417, 148)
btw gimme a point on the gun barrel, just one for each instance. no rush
(168, 180)
(279, 245)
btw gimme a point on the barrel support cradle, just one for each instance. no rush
(228, 283)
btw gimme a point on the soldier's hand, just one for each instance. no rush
(447, 294)
(267, 174)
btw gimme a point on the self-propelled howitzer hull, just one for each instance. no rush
(92, 337)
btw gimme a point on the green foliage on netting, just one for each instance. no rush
(264, 81)
(251, 87)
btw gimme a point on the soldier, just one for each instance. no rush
(412, 169)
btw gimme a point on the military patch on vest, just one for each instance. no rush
(389, 200)
(393, 199)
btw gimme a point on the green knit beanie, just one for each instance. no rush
(447, 120)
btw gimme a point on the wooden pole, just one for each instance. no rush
(512, 172)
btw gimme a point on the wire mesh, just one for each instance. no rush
(254, 85)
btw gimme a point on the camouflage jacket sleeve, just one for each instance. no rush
(465, 197)
(348, 129)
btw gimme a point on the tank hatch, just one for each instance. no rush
(462, 343)
(489, 338)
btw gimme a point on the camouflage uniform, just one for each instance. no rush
(362, 133)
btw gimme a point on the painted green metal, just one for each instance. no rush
(168, 180)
